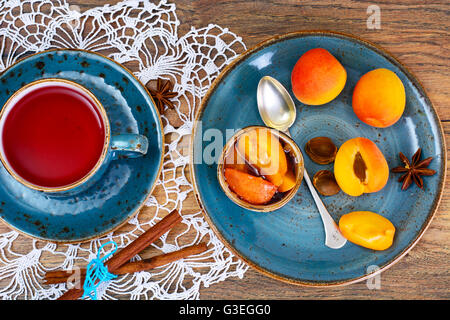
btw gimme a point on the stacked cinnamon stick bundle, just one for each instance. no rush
(119, 263)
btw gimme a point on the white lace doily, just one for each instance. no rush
(144, 37)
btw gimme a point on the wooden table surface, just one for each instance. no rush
(418, 35)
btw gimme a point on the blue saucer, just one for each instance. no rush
(288, 244)
(126, 184)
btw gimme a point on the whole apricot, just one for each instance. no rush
(367, 229)
(360, 167)
(318, 77)
(379, 98)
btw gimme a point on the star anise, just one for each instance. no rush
(162, 94)
(412, 171)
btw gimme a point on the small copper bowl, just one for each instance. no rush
(298, 167)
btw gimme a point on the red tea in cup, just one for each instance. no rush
(53, 133)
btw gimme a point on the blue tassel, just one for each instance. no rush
(97, 273)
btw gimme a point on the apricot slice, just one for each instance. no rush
(325, 183)
(234, 160)
(360, 167)
(321, 150)
(367, 229)
(318, 77)
(252, 189)
(288, 182)
(379, 98)
(264, 151)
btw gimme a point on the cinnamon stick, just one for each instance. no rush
(131, 250)
(62, 276)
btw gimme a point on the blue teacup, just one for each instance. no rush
(122, 146)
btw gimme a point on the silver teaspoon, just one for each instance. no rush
(277, 110)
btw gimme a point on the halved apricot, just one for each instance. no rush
(360, 167)
(264, 151)
(367, 229)
(252, 189)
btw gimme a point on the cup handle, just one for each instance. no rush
(128, 146)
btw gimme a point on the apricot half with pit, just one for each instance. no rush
(318, 77)
(360, 167)
(379, 98)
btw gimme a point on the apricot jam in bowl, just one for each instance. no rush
(260, 168)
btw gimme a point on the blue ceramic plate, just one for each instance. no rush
(288, 244)
(126, 184)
